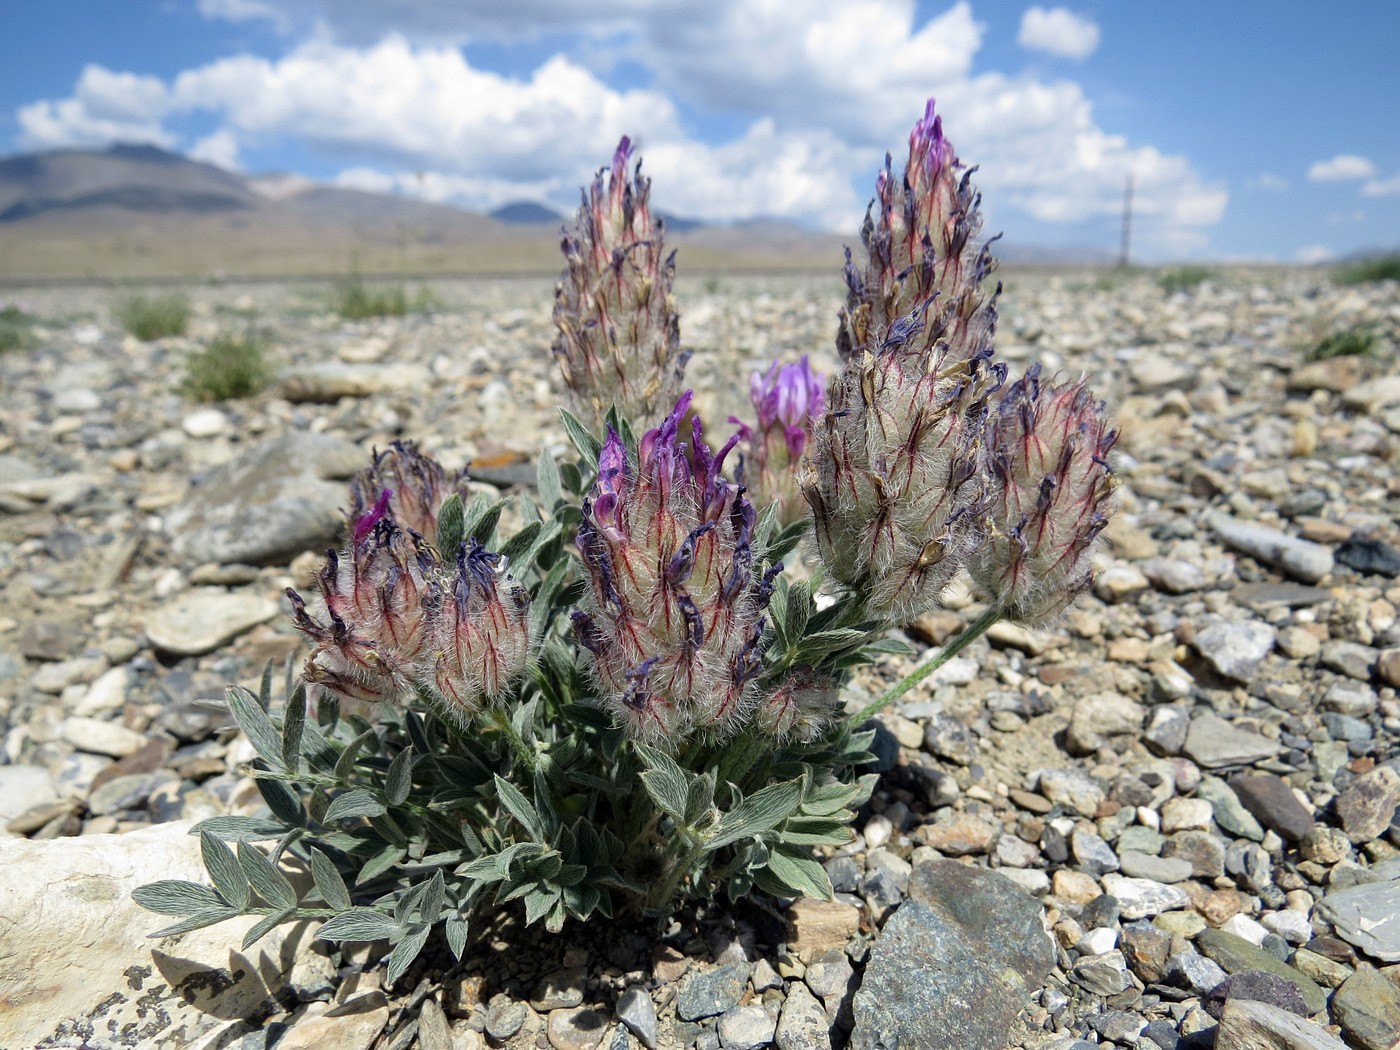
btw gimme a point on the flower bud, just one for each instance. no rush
(897, 488)
(397, 617)
(1052, 494)
(417, 487)
(478, 632)
(673, 617)
(619, 332)
(920, 251)
(801, 707)
(788, 399)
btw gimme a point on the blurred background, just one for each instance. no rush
(203, 138)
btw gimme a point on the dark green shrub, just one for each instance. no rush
(1380, 268)
(154, 317)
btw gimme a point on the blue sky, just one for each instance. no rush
(1253, 130)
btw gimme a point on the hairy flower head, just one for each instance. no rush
(788, 400)
(673, 617)
(618, 339)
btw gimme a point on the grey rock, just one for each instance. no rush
(636, 1010)
(1092, 853)
(101, 738)
(1350, 698)
(1259, 986)
(1367, 1006)
(712, 992)
(1073, 789)
(1344, 727)
(1158, 869)
(1098, 717)
(1235, 954)
(1105, 974)
(202, 620)
(1266, 595)
(1103, 912)
(562, 988)
(274, 501)
(128, 792)
(1349, 658)
(1174, 576)
(802, 1025)
(1249, 1025)
(1300, 559)
(328, 382)
(948, 738)
(1202, 850)
(576, 1028)
(1367, 916)
(1367, 806)
(49, 640)
(966, 936)
(1141, 898)
(1274, 805)
(56, 677)
(747, 1028)
(829, 977)
(1166, 729)
(1194, 971)
(1213, 743)
(505, 1017)
(1230, 813)
(1235, 650)
(1146, 949)
(1369, 556)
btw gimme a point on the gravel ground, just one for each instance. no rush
(1191, 782)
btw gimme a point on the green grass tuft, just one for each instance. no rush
(1183, 278)
(232, 365)
(1350, 342)
(355, 300)
(1381, 268)
(14, 329)
(154, 317)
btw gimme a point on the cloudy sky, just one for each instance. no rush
(1252, 129)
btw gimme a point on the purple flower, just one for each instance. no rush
(1051, 497)
(405, 484)
(672, 619)
(619, 332)
(788, 400)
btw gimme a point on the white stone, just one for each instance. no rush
(97, 737)
(107, 693)
(21, 789)
(1186, 814)
(76, 956)
(1098, 941)
(1142, 898)
(206, 423)
(1244, 926)
(200, 621)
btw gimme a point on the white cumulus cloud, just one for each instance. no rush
(1058, 31)
(1344, 167)
(1383, 187)
(1315, 253)
(219, 149)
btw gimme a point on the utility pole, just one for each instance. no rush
(1127, 221)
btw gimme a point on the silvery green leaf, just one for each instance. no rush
(379, 863)
(761, 812)
(664, 781)
(456, 929)
(520, 808)
(345, 765)
(264, 696)
(584, 443)
(699, 806)
(282, 800)
(571, 478)
(240, 828)
(547, 481)
(799, 609)
(359, 924)
(451, 528)
(196, 922)
(818, 831)
(482, 517)
(329, 884)
(253, 720)
(799, 871)
(356, 803)
(223, 868)
(267, 882)
(260, 929)
(293, 723)
(399, 778)
(408, 949)
(430, 908)
(177, 897)
(537, 903)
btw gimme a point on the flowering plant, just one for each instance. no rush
(628, 701)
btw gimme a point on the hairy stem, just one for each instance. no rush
(970, 634)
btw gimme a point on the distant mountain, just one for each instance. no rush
(526, 213)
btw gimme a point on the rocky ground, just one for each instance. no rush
(1169, 822)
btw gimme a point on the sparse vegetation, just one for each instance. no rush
(232, 365)
(1350, 342)
(1380, 268)
(154, 317)
(355, 300)
(14, 328)
(1183, 278)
